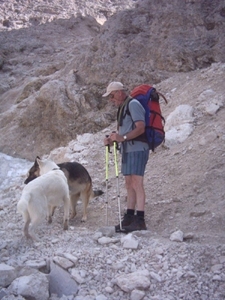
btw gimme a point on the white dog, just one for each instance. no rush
(40, 197)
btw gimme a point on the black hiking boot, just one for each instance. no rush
(127, 220)
(138, 223)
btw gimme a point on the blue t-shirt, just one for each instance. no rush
(137, 113)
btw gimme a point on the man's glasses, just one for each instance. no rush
(111, 96)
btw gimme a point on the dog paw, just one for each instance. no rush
(65, 225)
(29, 237)
(73, 215)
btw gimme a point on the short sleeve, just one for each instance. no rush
(137, 111)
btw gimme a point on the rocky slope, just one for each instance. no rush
(185, 197)
(26, 13)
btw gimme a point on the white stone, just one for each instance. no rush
(216, 278)
(7, 274)
(101, 297)
(177, 236)
(179, 125)
(178, 134)
(70, 257)
(86, 138)
(78, 148)
(106, 240)
(135, 280)
(129, 241)
(155, 276)
(137, 295)
(212, 108)
(76, 276)
(181, 115)
(109, 290)
(36, 263)
(63, 262)
(34, 286)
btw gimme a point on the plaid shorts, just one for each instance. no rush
(134, 163)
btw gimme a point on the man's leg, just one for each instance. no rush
(135, 163)
(131, 203)
(138, 222)
(131, 194)
(137, 186)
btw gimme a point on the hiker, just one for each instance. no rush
(134, 154)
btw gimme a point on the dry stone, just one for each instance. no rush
(177, 236)
(7, 274)
(60, 282)
(63, 262)
(34, 286)
(132, 281)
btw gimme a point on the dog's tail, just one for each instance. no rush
(28, 208)
(22, 205)
(22, 208)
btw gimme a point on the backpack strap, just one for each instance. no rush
(120, 111)
(160, 94)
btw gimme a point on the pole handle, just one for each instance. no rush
(108, 146)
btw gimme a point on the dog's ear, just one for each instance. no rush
(36, 163)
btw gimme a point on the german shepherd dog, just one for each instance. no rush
(41, 196)
(79, 181)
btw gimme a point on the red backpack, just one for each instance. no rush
(154, 121)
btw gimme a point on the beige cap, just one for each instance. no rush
(113, 86)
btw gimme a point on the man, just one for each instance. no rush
(135, 153)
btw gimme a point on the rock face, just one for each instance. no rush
(54, 67)
(157, 37)
(16, 15)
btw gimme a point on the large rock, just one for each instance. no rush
(61, 282)
(7, 275)
(34, 286)
(179, 124)
(136, 280)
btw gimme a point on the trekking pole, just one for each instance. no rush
(107, 151)
(115, 147)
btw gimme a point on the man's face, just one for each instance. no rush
(116, 97)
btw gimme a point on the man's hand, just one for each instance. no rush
(108, 141)
(115, 137)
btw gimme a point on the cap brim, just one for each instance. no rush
(106, 94)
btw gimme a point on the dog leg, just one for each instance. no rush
(73, 199)
(66, 224)
(26, 225)
(27, 222)
(51, 210)
(34, 223)
(85, 201)
(66, 212)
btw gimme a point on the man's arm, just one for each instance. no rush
(138, 130)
